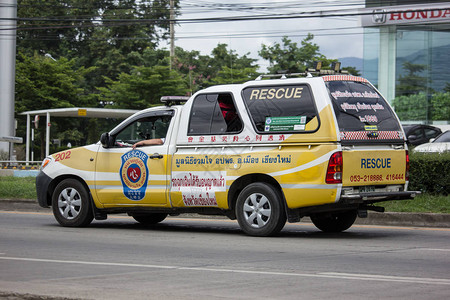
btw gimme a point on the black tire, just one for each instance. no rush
(71, 204)
(150, 219)
(334, 222)
(259, 210)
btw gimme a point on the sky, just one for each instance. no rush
(337, 37)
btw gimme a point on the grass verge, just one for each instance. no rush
(25, 188)
(424, 203)
(17, 187)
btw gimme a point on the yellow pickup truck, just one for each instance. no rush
(263, 152)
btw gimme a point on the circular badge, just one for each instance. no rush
(134, 174)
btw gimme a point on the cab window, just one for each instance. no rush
(214, 114)
(152, 127)
(286, 108)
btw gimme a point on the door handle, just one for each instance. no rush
(156, 156)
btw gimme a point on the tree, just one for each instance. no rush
(195, 68)
(43, 83)
(200, 71)
(228, 76)
(142, 88)
(440, 106)
(447, 87)
(111, 35)
(291, 58)
(411, 83)
(222, 57)
(71, 27)
(411, 107)
(416, 107)
(117, 47)
(352, 71)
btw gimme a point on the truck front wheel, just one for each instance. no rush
(71, 204)
(334, 222)
(259, 210)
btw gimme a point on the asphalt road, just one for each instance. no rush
(212, 259)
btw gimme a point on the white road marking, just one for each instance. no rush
(434, 249)
(348, 276)
(423, 280)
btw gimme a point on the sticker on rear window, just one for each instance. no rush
(370, 127)
(347, 94)
(285, 123)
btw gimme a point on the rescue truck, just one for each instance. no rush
(263, 152)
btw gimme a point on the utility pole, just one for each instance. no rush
(8, 14)
(172, 32)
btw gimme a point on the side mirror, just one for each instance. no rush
(432, 140)
(105, 140)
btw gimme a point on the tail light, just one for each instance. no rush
(407, 166)
(334, 170)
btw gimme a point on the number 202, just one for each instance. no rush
(62, 155)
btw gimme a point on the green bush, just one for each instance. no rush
(429, 173)
(441, 106)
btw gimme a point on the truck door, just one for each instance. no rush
(199, 167)
(127, 176)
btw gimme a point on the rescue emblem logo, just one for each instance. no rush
(134, 174)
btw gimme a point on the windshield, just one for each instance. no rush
(362, 113)
(443, 138)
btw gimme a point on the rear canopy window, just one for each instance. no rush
(360, 108)
(286, 108)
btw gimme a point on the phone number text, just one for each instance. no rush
(375, 178)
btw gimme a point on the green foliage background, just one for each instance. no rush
(415, 107)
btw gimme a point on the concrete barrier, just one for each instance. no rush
(18, 173)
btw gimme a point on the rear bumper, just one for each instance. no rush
(354, 201)
(373, 197)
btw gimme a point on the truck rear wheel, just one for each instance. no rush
(334, 222)
(71, 204)
(259, 210)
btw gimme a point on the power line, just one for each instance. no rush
(115, 22)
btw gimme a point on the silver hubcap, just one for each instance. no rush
(69, 203)
(257, 210)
